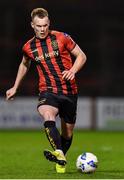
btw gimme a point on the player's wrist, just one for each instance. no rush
(73, 70)
(15, 88)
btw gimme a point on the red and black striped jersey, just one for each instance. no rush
(52, 57)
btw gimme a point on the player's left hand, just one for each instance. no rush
(68, 75)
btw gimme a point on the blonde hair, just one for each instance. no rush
(40, 12)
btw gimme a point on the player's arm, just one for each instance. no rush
(22, 70)
(78, 64)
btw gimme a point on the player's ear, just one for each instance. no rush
(32, 24)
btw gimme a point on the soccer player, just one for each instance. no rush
(51, 51)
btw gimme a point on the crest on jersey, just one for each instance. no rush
(55, 45)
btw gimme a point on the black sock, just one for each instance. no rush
(53, 134)
(66, 143)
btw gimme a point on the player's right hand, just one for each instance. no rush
(10, 93)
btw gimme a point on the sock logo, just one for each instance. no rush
(50, 138)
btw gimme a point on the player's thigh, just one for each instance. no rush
(48, 112)
(47, 105)
(67, 129)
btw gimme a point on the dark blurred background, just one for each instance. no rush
(96, 25)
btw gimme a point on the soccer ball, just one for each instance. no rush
(87, 162)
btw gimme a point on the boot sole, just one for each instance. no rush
(49, 156)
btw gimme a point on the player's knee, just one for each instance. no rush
(47, 115)
(67, 131)
(67, 134)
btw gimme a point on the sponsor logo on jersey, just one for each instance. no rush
(47, 55)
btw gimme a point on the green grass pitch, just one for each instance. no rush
(21, 155)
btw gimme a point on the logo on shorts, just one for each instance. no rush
(42, 101)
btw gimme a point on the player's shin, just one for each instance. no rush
(53, 134)
(66, 143)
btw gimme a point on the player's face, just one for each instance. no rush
(40, 26)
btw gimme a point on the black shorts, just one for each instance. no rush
(67, 105)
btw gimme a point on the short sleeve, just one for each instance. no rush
(69, 42)
(26, 50)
